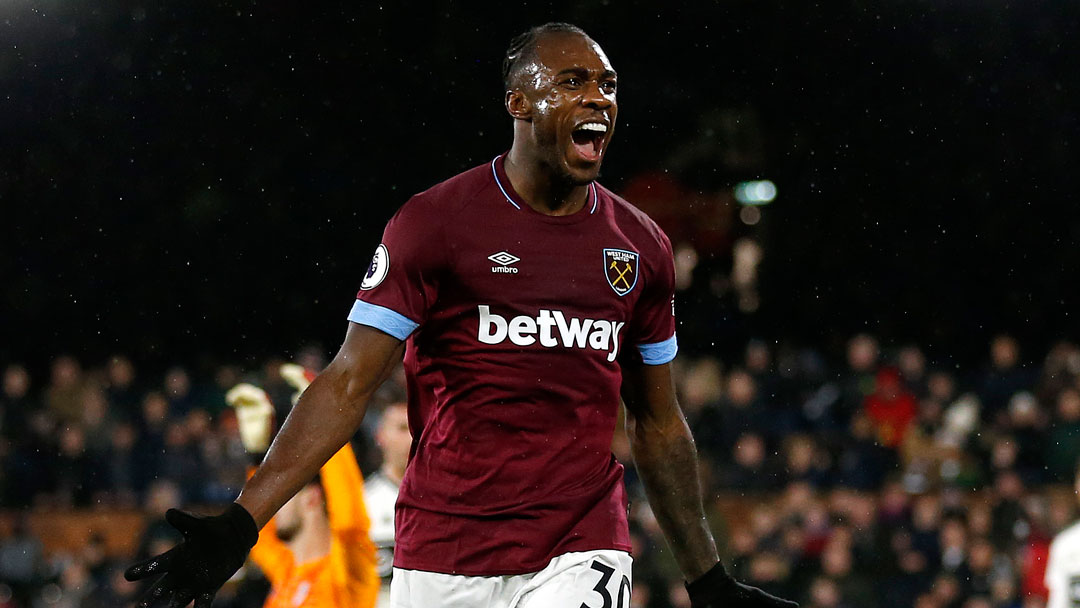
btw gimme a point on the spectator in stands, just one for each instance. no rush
(748, 469)
(63, 395)
(863, 462)
(1003, 378)
(120, 389)
(1062, 446)
(857, 382)
(381, 488)
(178, 391)
(912, 365)
(891, 407)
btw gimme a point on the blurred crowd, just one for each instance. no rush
(827, 480)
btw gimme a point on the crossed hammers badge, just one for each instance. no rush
(621, 270)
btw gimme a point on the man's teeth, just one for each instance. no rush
(594, 126)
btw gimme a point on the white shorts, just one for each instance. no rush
(592, 579)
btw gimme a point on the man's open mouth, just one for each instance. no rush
(589, 139)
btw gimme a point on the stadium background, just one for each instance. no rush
(199, 186)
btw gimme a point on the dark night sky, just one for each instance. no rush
(184, 179)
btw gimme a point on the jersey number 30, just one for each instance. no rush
(606, 573)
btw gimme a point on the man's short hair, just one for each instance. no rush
(523, 47)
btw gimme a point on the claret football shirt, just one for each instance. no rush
(515, 323)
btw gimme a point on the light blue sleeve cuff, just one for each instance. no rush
(659, 353)
(382, 319)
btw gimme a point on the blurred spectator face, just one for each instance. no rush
(941, 386)
(757, 357)
(800, 454)
(640, 597)
(155, 409)
(978, 602)
(824, 593)
(1068, 405)
(926, 514)
(175, 435)
(74, 576)
(750, 451)
(912, 562)
(980, 520)
(946, 590)
(741, 388)
(94, 407)
(393, 436)
(1009, 486)
(743, 541)
(65, 372)
(1023, 410)
(177, 382)
(862, 353)
(767, 568)
(162, 496)
(980, 556)
(123, 437)
(16, 382)
(701, 384)
(887, 383)
(912, 362)
(686, 259)
(197, 423)
(794, 540)
(677, 596)
(1004, 352)
(953, 535)
(1002, 591)
(1003, 454)
(226, 377)
(72, 441)
(311, 357)
(120, 372)
(836, 560)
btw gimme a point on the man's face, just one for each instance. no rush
(393, 435)
(571, 89)
(287, 520)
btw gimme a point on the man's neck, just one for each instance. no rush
(539, 189)
(312, 542)
(392, 473)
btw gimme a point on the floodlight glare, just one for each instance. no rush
(760, 192)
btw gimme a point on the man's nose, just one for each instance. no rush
(594, 97)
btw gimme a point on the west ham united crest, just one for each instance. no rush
(621, 270)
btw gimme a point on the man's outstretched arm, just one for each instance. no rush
(327, 415)
(666, 459)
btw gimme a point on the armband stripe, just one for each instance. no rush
(382, 319)
(659, 353)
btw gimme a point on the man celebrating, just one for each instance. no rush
(528, 299)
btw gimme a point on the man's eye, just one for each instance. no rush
(572, 82)
(608, 86)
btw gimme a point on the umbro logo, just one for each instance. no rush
(505, 261)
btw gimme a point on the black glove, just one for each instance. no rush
(716, 588)
(212, 550)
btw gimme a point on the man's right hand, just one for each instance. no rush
(716, 588)
(212, 550)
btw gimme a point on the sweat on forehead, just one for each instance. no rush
(522, 50)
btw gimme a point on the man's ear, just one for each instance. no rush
(517, 105)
